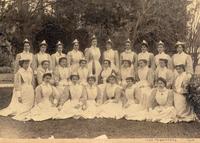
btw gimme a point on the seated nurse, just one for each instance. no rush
(162, 103)
(112, 105)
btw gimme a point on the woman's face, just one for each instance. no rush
(83, 64)
(160, 48)
(141, 64)
(63, 63)
(47, 79)
(60, 48)
(127, 46)
(111, 80)
(27, 47)
(76, 46)
(144, 48)
(108, 46)
(75, 79)
(179, 69)
(105, 64)
(43, 48)
(45, 65)
(161, 84)
(126, 64)
(26, 65)
(94, 42)
(162, 63)
(129, 82)
(91, 81)
(179, 48)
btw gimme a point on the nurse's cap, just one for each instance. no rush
(93, 37)
(144, 42)
(47, 74)
(180, 65)
(26, 41)
(109, 41)
(179, 43)
(43, 43)
(59, 43)
(161, 43)
(125, 60)
(75, 41)
(128, 41)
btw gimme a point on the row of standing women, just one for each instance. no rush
(131, 86)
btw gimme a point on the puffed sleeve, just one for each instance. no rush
(150, 77)
(38, 94)
(170, 99)
(53, 59)
(152, 61)
(39, 76)
(16, 67)
(189, 65)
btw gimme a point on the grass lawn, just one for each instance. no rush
(71, 128)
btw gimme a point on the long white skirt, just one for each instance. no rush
(163, 114)
(69, 110)
(110, 110)
(91, 110)
(183, 110)
(135, 112)
(42, 111)
(15, 107)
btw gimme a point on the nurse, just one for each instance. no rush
(74, 56)
(162, 109)
(183, 109)
(163, 55)
(26, 54)
(59, 54)
(144, 54)
(93, 55)
(181, 58)
(83, 71)
(23, 92)
(111, 55)
(41, 56)
(128, 54)
(93, 98)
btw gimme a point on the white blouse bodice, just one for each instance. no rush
(126, 72)
(110, 90)
(161, 97)
(159, 56)
(95, 53)
(64, 72)
(83, 73)
(92, 92)
(58, 56)
(27, 55)
(128, 55)
(27, 76)
(106, 73)
(110, 55)
(47, 90)
(75, 56)
(129, 92)
(145, 55)
(76, 91)
(41, 57)
(179, 59)
(162, 72)
(142, 73)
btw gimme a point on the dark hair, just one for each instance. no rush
(45, 61)
(93, 77)
(144, 60)
(107, 80)
(181, 66)
(21, 62)
(130, 78)
(165, 60)
(109, 62)
(71, 76)
(129, 62)
(163, 80)
(46, 74)
(62, 58)
(81, 60)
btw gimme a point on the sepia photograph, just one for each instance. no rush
(99, 70)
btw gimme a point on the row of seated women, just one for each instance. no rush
(136, 96)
